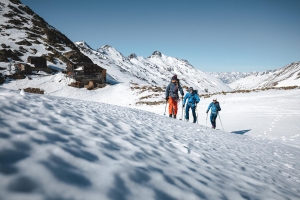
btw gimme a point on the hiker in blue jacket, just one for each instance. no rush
(215, 108)
(192, 100)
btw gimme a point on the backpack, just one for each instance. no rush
(173, 92)
(195, 92)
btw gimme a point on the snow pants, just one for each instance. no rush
(213, 117)
(187, 110)
(173, 106)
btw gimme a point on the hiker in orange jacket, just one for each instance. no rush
(172, 95)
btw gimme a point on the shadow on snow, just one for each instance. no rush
(242, 132)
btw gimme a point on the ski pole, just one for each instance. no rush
(181, 112)
(184, 113)
(220, 121)
(165, 108)
(197, 113)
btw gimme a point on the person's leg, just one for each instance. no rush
(213, 117)
(194, 114)
(187, 110)
(212, 120)
(175, 107)
(215, 120)
(170, 106)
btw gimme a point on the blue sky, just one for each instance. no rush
(213, 35)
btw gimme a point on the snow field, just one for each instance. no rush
(60, 148)
(272, 114)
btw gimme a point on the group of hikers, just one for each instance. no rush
(189, 101)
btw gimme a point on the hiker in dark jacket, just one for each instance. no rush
(215, 108)
(192, 100)
(172, 95)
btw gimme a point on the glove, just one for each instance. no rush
(183, 105)
(167, 98)
(207, 111)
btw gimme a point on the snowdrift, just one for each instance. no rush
(59, 148)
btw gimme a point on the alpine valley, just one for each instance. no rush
(115, 142)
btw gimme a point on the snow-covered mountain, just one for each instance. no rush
(24, 33)
(229, 77)
(282, 77)
(156, 69)
(60, 148)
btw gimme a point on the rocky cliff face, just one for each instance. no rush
(24, 33)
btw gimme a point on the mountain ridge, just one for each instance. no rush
(157, 69)
(288, 75)
(24, 33)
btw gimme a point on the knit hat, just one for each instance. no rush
(174, 77)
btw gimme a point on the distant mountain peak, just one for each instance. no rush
(156, 69)
(17, 2)
(106, 47)
(83, 44)
(157, 53)
(185, 61)
(131, 56)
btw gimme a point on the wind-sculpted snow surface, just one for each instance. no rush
(59, 148)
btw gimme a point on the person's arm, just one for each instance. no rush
(218, 107)
(208, 107)
(197, 99)
(167, 92)
(180, 89)
(185, 97)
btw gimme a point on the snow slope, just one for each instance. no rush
(59, 148)
(282, 77)
(230, 77)
(157, 69)
(57, 85)
(273, 114)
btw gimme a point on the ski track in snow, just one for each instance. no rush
(59, 148)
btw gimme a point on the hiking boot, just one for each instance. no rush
(170, 115)
(174, 116)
